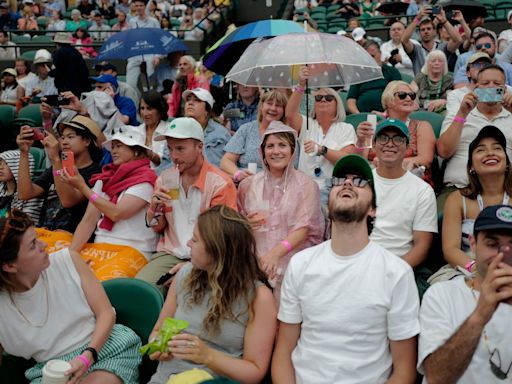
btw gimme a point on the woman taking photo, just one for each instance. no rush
(153, 112)
(223, 296)
(243, 147)
(433, 82)
(324, 138)
(490, 183)
(119, 196)
(399, 101)
(270, 200)
(36, 291)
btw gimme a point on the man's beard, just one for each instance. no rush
(353, 214)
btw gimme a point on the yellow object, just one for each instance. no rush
(107, 261)
(193, 376)
(225, 3)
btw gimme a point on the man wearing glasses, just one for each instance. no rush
(489, 103)
(465, 323)
(348, 307)
(407, 215)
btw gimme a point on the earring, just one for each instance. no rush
(473, 172)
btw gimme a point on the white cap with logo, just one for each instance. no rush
(183, 128)
(201, 94)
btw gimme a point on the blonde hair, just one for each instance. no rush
(272, 95)
(435, 54)
(340, 109)
(389, 92)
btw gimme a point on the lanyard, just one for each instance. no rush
(439, 88)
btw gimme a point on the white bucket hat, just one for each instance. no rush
(42, 56)
(183, 128)
(128, 135)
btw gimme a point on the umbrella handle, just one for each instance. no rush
(306, 91)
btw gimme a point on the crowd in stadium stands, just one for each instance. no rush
(367, 242)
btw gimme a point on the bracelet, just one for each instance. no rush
(298, 89)
(94, 353)
(287, 245)
(469, 266)
(459, 119)
(85, 360)
(93, 197)
(416, 20)
(236, 176)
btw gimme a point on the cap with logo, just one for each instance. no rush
(358, 34)
(495, 217)
(355, 165)
(393, 123)
(201, 94)
(479, 56)
(111, 79)
(182, 128)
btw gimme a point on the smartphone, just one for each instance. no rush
(56, 100)
(394, 52)
(38, 133)
(489, 95)
(436, 10)
(68, 162)
(164, 278)
(233, 113)
(507, 254)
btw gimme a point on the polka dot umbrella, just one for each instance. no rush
(333, 61)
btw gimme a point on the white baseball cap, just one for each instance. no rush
(358, 34)
(128, 135)
(183, 128)
(201, 94)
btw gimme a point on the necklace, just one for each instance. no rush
(45, 282)
(495, 369)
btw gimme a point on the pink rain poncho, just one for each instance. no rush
(294, 202)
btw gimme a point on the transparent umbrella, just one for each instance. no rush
(333, 61)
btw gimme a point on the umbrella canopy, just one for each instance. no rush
(140, 41)
(470, 8)
(393, 7)
(224, 54)
(333, 61)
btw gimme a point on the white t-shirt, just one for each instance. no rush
(132, 231)
(185, 212)
(349, 307)
(338, 136)
(446, 305)
(406, 65)
(70, 323)
(404, 205)
(455, 173)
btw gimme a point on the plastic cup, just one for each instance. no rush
(171, 183)
(372, 119)
(252, 167)
(54, 372)
(262, 210)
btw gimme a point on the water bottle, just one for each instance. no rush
(418, 171)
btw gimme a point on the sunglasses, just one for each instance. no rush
(480, 46)
(496, 368)
(480, 64)
(357, 181)
(17, 221)
(402, 95)
(326, 97)
(396, 140)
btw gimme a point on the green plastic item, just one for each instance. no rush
(170, 328)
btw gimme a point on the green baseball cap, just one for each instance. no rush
(393, 123)
(355, 165)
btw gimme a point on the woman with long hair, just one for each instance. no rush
(153, 112)
(490, 183)
(243, 147)
(282, 204)
(52, 307)
(399, 101)
(83, 40)
(223, 296)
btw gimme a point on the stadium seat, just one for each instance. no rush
(435, 119)
(407, 78)
(20, 39)
(42, 39)
(39, 156)
(29, 55)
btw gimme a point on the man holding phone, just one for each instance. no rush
(393, 52)
(473, 114)
(465, 323)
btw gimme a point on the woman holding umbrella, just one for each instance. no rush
(324, 137)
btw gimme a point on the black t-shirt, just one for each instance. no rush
(54, 215)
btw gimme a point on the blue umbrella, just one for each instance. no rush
(226, 52)
(140, 41)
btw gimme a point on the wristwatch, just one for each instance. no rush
(324, 150)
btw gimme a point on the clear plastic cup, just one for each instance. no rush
(372, 119)
(171, 183)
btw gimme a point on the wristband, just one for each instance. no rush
(459, 119)
(236, 176)
(287, 245)
(85, 360)
(298, 89)
(469, 266)
(56, 172)
(94, 353)
(416, 20)
(93, 197)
